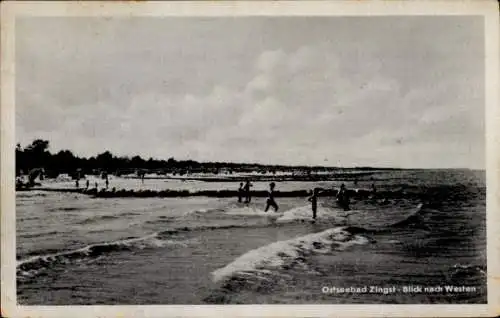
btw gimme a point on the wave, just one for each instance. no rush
(69, 208)
(179, 230)
(252, 211)
(304, 213)
(64, 209)
(98, 218)
(29, 194)
(161, 221)
(246, 211)
(414, 220)
(33, 235)
(30, 218)
(298, 214)
(329, 216)
(286, 254)
(30, 267)
(202, 211)
(459, 271)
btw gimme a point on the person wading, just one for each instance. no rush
(247, 187)
(314, 201)
(270, 198)
(240, 192)
(343, 198)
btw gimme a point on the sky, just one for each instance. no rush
(336, 91)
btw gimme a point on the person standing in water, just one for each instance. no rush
(270, 198)
(247, 187)
(107, 181)
(373, 194)
(240, 192)
(314, 201)
(343, 198)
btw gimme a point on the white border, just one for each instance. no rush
(11, 10)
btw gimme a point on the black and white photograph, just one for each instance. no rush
(257, 159)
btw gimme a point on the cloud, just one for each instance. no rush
(270, 61)
(338, 99)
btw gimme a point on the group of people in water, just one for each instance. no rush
(244, 192)
(87, 183)
(342, 197)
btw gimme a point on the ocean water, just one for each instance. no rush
(75, 249)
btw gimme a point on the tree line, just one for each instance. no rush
(37, 155)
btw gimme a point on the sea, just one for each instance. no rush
(425, 245)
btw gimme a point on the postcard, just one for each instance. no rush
(250, 159)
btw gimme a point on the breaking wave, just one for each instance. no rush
(414, 220)
(284, 254)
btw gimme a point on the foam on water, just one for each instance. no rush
(252, 211)
(304, 213)
(467, 270)
(412, 220)
(278, 254)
